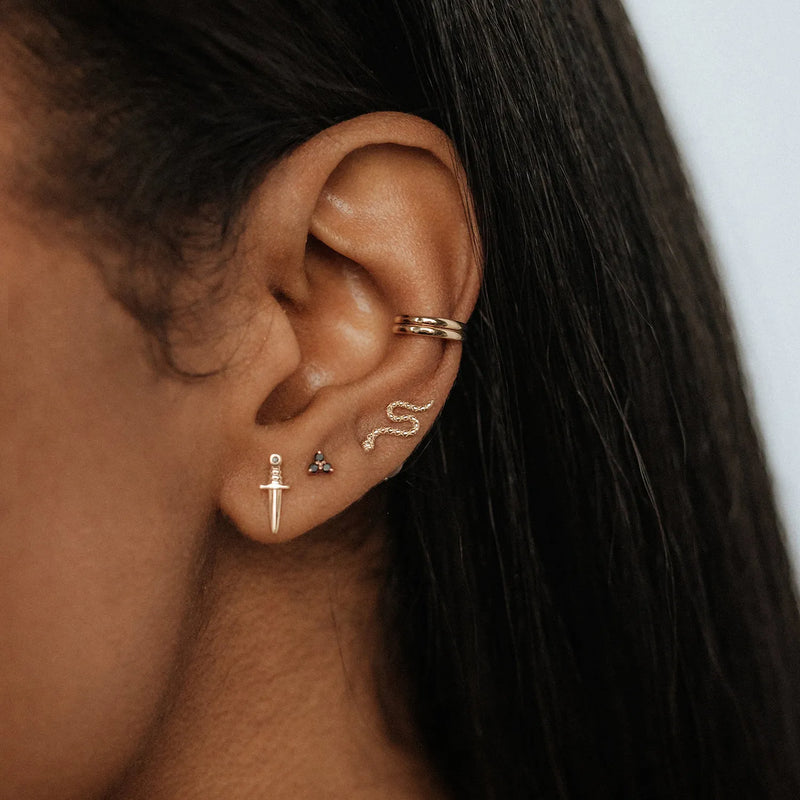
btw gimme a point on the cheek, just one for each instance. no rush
(101, 531)
(94, 591)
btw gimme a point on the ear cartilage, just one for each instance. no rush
(435, 327)
(276, 488)
(320, 465)
(369, 443)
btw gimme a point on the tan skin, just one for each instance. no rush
(157, 639)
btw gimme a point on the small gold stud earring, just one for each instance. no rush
(436, 327)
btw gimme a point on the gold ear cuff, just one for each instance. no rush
(436, 327)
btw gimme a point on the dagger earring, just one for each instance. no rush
(276, 488)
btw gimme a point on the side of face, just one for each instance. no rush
(116, 470)
(102, 516)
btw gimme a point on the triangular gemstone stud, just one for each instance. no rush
(320, 465)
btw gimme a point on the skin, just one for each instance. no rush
(157, 640)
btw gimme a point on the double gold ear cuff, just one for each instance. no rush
(436, 327)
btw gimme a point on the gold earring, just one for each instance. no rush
(369, 443)
(436, 327)
(276, 488)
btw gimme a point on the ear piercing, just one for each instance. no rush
(394, 473)
(320, 465)
(369, 443)
(276, 488)
(437, 327)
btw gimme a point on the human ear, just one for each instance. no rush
(369, 219)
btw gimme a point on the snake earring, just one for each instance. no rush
(369, 442)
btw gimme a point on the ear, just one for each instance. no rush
(370, 219)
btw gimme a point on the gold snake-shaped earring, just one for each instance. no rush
(369, 443)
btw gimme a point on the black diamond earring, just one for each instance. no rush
(320, 464)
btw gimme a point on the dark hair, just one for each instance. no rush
(603, 606)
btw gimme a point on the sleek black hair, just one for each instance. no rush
(588, 590)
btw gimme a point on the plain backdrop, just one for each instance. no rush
(728, 74)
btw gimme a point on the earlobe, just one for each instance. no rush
(377, 263)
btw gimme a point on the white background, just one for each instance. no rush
(728, 74)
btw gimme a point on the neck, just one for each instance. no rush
(278, 695)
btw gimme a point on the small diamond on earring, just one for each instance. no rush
(320, 465)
